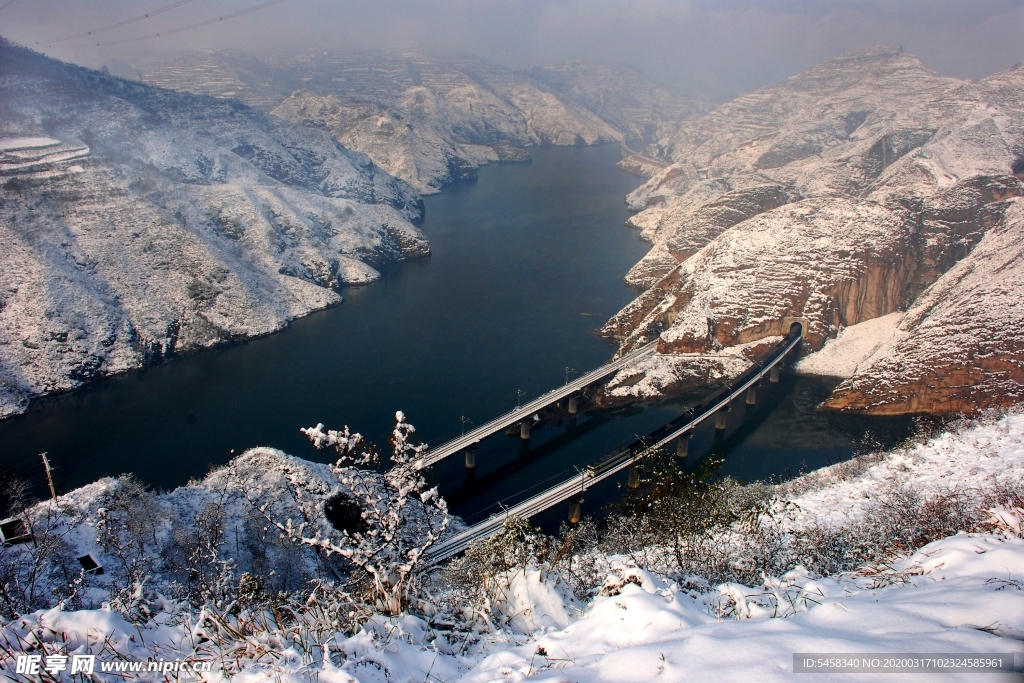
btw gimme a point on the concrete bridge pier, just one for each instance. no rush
(773, 376)
(572, 405)
(633, 481)
(470, 458)
(683, 445)
(721, 421)
(752, 394)
(575, 510)
(524, 430)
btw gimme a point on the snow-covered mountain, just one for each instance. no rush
(846, 193)
(432, 119)
(138, 222)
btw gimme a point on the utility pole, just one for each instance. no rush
(567, 371)
(464, 421)
(519, 397)
(49, 475)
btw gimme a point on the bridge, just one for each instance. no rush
(524, 414)
(715, 404)
(628, 153)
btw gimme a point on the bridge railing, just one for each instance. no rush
(523, 412)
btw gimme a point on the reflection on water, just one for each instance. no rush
(781, 436)
(786, 435)
(526, 263)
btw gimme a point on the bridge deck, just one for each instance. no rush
(628, 154)
(521, 413)
(615, 462)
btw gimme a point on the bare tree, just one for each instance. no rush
(126, 530)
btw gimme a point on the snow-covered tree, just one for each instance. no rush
(399, 517)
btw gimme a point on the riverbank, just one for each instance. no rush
(527, 261)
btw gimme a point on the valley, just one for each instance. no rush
(231, 284)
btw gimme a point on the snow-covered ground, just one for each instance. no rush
(956, 595)
(852, 349)
(950, 597)
(125, 242)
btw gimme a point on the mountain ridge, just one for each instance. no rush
(180, 222)
(840, 195)
(433, 119)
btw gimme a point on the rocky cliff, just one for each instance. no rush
(138, 222)
(959, 346)
(844, 194)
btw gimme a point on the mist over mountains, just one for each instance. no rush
(432, 118)
(228, 195)
(146, 221)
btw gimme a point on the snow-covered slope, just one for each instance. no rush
(838, 196)
(138, 222)
(957, 595)
(432, 119)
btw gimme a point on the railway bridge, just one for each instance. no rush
(715, 405)
(524, 414)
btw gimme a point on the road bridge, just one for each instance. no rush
(714, 405)
(628, 154)
(524, 414)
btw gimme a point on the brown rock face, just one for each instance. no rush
(836, 261)
(966, 347)
(846, 193)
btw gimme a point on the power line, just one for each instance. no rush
(184, 28)
(6, 5)
(119, 24)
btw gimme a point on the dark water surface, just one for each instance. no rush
(527, 263)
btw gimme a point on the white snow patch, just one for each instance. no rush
(352, 271)
(956, 595)
(854, 348)
(673, 635)
(535, 601)
(9, 144)
(947, 462)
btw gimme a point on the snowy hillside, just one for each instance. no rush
(841, 195)
(903, 584)
(432, 119)
(139, 222)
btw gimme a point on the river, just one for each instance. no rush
(527, 262)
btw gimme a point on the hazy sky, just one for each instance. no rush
(714, 48)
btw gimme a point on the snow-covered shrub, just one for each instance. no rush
(703, 530)
(255, 534)
(401, 516)
(126, 528)
(45, 571)
(487, 588)
(196, 560)
(675, 509)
